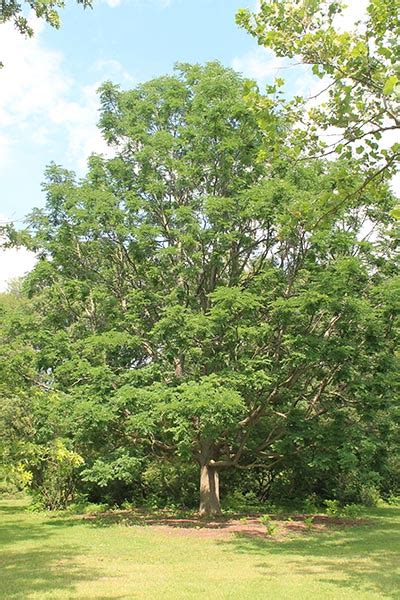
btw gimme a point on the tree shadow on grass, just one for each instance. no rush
(134, 519)
(41, 571)
(29, 564)
(13, 530)
(10, 510)
(364, 558)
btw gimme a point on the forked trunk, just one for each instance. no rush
(209, 491)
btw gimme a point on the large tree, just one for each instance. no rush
(201, 304)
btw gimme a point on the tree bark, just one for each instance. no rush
(209, 491)
(179, 363)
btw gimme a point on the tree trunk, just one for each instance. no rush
(209, 491)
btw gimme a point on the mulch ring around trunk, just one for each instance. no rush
(224, 527)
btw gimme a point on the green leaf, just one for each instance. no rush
(390, 84)
(395, 213)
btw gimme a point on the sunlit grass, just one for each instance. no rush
(66, 557)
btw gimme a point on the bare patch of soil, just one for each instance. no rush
(224, 527)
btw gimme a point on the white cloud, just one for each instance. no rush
(86, 138)
(113, 3)
(32, 78)
(354, 12)
(14, 262)
(113, 68)
(260, 64)
(158, 3)
(40, 102)
(264, 66)
(45, 110)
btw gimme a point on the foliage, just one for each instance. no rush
(55, 478)
(359, 103)
(394, 500)
(309, 505)
(309, 522)
(352, 510)
(13, 10)
(195, 307)
(369, 495)
(332, 508)
(269, 526)
(237, 501)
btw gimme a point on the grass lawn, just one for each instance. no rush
(66, 557)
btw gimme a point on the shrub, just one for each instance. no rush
(55, 482)
(237, 501)
(393, 500)
(352, 511)
(332, 508)
(167, 483)
(15, 478)
(310, 504)
(308, 522)
(369, 495)
(270, 527)
(94, 508)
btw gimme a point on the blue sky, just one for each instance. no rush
(51, 111)
(48, 100)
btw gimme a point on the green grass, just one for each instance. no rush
(65, 557)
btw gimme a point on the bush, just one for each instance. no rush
(238, 501)
(14, 479)
(93, 508)
(332, 508)
(270, 527)
(308, 522)
(369, 495)
(310, 504)
(393, 500)
(352, 511)
(170, 483)
(54, 485)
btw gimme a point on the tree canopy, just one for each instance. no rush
(195, 305)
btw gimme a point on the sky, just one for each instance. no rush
(48, 99)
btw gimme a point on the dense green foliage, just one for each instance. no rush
(196, 306)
